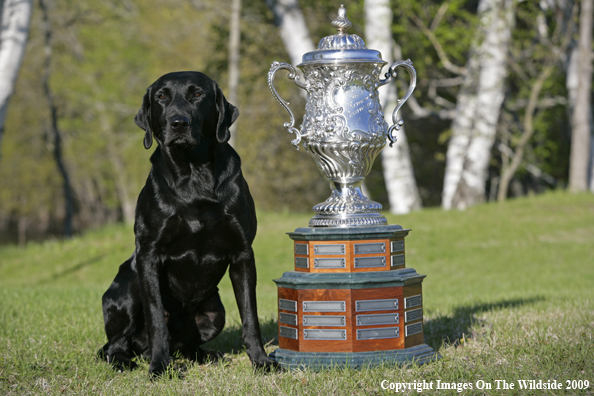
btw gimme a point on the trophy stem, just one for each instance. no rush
(347, 206)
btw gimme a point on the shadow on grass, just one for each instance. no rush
(68, 271)
(229, 340)
(449, 330)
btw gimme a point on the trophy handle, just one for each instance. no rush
(397, 124)
(289, 126)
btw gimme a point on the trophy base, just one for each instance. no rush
(351, 301)
(293, 360)
(348, 220)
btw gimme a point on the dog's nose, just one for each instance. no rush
(179, 122)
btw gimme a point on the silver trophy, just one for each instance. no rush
(343, 128)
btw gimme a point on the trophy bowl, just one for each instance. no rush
(343, 127)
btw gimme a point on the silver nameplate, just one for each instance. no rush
(301, 248)
(287, 318)
(324, 306)
(376, 334)
(315, 334)
(397, 259)
(288, 332)
(329, 249)
(329, 263)
(414, 329)
(362, 248)
(318, 320)
(288, 305)
(413, 301)
(378, 319)
(376, 305)
(301, 262)
(370, 262)
(415, 314)
(397, 246)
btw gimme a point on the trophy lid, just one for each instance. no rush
(342, 47)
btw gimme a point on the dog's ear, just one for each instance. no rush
(143, 119)
(227, 116)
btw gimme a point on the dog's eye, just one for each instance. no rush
(197, 94)
(161, 96)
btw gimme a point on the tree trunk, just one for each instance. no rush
(293, 30)
(401, 186)
(16, 18)
(66, 185)
(579, 159)
(233, 67)
(509, 170)
(478, 107)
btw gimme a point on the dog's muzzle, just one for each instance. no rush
(180, 131)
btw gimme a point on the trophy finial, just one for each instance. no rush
(341, 23)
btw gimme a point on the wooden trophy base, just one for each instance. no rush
(351, 301)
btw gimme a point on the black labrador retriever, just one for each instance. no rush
(195, 218)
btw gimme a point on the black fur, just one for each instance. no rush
(195, 218)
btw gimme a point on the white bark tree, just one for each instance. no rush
(292, 28)
(234, 51)
(579, 161)
(14, 32)
(401, 185)
(478, 107)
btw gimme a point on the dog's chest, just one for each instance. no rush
(202, 232)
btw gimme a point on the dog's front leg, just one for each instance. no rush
(243, 277)
(156, 326)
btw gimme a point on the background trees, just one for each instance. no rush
(485, 136)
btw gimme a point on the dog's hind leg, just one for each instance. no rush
(210, 318)
(124, 321)
(208, 321)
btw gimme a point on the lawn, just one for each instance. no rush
(509, 297)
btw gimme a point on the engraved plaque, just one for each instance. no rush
(415, 314)
(301, 248)
(329, 249)
(397, 259)
(287, 318)
(376, 305)
(378, 319)
(318, 320)
(370, 262)
(414, 329)
(376, 334)
(288, 305)
(362, 248)
(288, 332)
(355, 101)
(397, 246)
(317, 334)
(329, 263)
(413, 301)
(324, 306)
(301, 262)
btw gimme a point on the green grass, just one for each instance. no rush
(509, 295)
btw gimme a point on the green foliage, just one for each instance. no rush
(507, 296)
(106, 53)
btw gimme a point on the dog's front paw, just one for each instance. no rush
(158, 367)
(265, 364)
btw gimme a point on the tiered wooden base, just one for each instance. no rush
(350, 301)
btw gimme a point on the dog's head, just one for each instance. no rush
(185, 109)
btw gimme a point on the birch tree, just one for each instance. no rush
(579, 160)
(401, 185)
(14, 32)
(292, 28)
(234, 51)
(478, 107)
